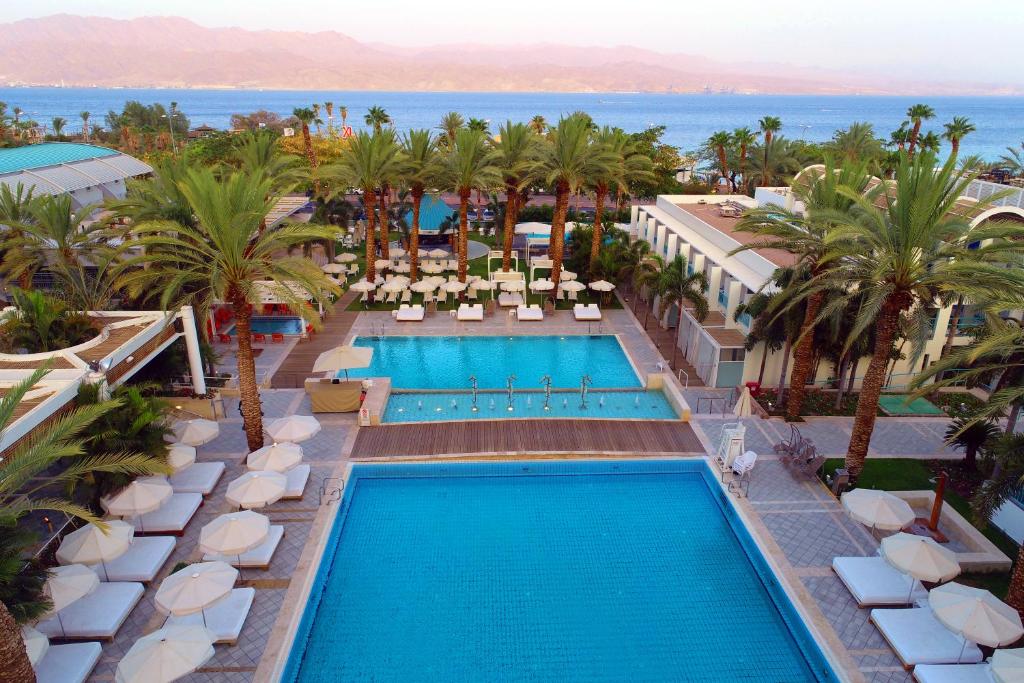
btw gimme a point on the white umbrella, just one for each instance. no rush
(921, 557)
(397, 252)
(334, 268)
(401, 268)
(1007, 666)
(542, 285)
(975, 614)
(567, 275)
(742, 407)
(513, 285)
(294, 428)
(278, 457)
(437, 280)
(196, 432)
(483, 284)
(363, 286)
(69, 582)
(573, 286)
(234, 533)
(256, 489)
(194, 588)
(422, 253)
(143, 495)
(454, 286)
(346, 257)
(423, 286)
(381, 264)
(394, 285)
(180, 456)
(92, 545)
(878, 509)
(343, 358)
(166, 655)
(431, 268)
(437, 253)
(602, 286)
(36, 644)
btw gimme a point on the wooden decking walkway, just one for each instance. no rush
(526, 436)
(299, 363)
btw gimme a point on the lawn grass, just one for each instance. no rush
(898, 474)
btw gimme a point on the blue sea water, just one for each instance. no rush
(689, 119)
(561, 571)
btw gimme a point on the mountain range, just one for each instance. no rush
(174, 52)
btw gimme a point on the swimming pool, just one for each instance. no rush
(271, 324)
(415, 362)
(546, 571)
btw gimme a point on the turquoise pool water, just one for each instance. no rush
(608, 405)
(415, 362)
(272, 324)
(554, 571)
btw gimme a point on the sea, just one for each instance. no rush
(688, 119)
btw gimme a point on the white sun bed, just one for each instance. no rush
(97, 615)
(954, 673)
(873, 582)
(407, 313)
(586, 312)
(199, 477)
(529, 313)
(470, 312)
(172, 517)
(70, 663)
(510, 299)
(225, 619)
(257, 558)
(141, 562)
(297, 478)
(919, 638)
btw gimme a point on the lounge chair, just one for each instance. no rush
(572, 294)
(406, 296)
(873, 582)
(141, 562)
(257, 558)
(470, 312)
(954, 673)
(586, 312)
(171, 517)
(407, 313)
(392, 297)
(199, 477)
(297, 478)
(452, 265)
(70, 663)
(225, 619)
(529, 313)
(918, 637)
(98, 615)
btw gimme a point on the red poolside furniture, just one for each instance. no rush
(309, 330)
(259, 338)
(283, 309)
(226, 338)
(277, 338)
(268, 309)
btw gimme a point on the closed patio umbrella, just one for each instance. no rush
(91, 545)
(256, 489)
(921, 557)
(166, 655)
(195, 587)
(196, 432)
(143, 495)
(742, 407)
(294, 428)
(36, 644)
(975, 614)
(234, 533)
(878, 509)
(346, 257)
(1008, 665)
(278, 457)
(180, 456)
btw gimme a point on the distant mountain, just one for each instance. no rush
(177, 53)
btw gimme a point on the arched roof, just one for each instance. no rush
(59, 167)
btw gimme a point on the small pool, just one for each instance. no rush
(415, 362)
(564, 571)
(606, 405)
(269, 324)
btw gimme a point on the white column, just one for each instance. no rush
(634, 221)
(652, 225)
(659, 240)
(99, 379)
(195, 359)
(670, 247)
(714, 282)
(698, 263)
(735, 292)
(684, 250)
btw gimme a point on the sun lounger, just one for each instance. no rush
(586, 312)
(199, 477)
(225, 619)
(407, 313)
(70, 663)
(97, 615)
(470, 312)
(529, 313)
(141, 562)
(919, 638)
(171, 517)
(297, 478)
(257, 558)
(873, 582)
(954, 673)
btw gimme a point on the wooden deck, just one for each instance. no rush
(515, 437)
(299, 363)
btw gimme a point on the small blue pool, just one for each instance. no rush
(414, 362)
(605, 405)
(546, 571)
(269, 324)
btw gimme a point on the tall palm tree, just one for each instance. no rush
(769, 126)
(956, 130)
(343, 113)
(221, 258)
(909, 254)
(55, 229)
(778, 161)
(482, 125)
(719, 143)
(258, 152)
(676, 287)
(422, 167)
(568, 161)
(743, 138)
(857, 142)
(14, 212)
(85, 124)
(917, 114)
(900, 137)
(516, 150)
(58, 123)
(316, 116)
(469, 165)
(1013, 159)
(376, 117)
(929, 142)
(450, 124)
(329, 106)
(538, 124)
(307, 116)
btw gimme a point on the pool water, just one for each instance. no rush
(271, 324)
(557, 571)
(608, 405)
(414, 362)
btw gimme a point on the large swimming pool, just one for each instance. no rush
(420, 362)
(546, 571)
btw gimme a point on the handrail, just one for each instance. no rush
(683, 373)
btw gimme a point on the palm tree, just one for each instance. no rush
(55, 229)
(538, 124)
(900, 137)
(422, 167)
(258, 152)
(307, 116)
(469, 166)
(858, 142)
(3, 120)
(907, 255)
(677, 288)
(316, 117)
(329, 106)
(221, 258)
(377, 118)
(719, 142)
(482, 125)
(343, 113)
(955, 131)
(14, 212)
(778, 160)
(929, 142)
(450, 124)
(917, 113)
(85, 124)
(743, 138)
(769, 126)
(516, 151)
(58, 123)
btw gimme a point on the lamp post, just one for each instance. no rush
(170, 126)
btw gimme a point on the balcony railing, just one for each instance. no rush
(723, 298)
(745, 320)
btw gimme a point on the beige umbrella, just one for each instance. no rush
(91, 545)
(382, 264)
(921, 557)
(513, 286)
(1007, 666)
(342, 358)
(878, 509)
(294, 428)
(166, 655)
(437, 253)
(256, 489)
(66, 584)
(401, 268)
(431, 268)
(234, 533)
(423, 286)
(346, 257)
(196, 432)
(567, 275)
(363, 286)
(334, 268)
(278, 457)
(422, 253)
(180, 456)
(397, 252)
(394, 285)
(195, 587)
(542, 285)
(976, 614)
(454, 286)
(742, 407)
(573, 286)
(36, 644)
(602, 286)
(143, 495)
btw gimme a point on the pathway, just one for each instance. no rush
(299, 364)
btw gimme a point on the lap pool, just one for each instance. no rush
(546, 571)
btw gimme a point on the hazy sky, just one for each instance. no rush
(935, 39)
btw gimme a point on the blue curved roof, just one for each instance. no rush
(432, 213)
(44, 154)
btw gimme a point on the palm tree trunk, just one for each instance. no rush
(786, 350)
(14, 662)
(871, 388)
(464, 195)
(370, 200)
(385, 235)
(844, 362)
(1015, 594)
(558, 234)
(803, 357)
(913, 137)
(764, 360)
(954, 320)
(414, 240)
(595, 243)
(511, 213)
(311, 156)
(249, 395)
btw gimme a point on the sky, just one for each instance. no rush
(936, 40)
